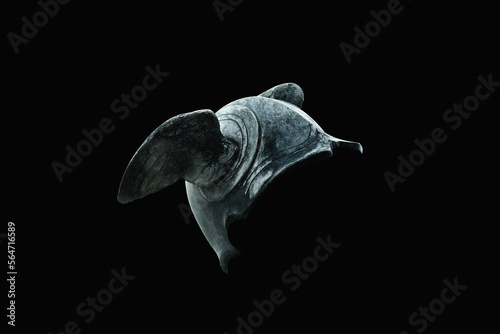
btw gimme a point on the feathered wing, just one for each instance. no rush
(289, 92)
(186, 146)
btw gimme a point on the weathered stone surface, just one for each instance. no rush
(228, 158)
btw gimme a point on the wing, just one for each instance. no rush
(288, 92)
(187, 146)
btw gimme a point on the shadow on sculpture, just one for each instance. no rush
(228, 158)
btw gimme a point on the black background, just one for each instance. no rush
(396, 247)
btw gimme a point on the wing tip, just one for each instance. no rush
(122, 199)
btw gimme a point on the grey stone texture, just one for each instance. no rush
(228, 158)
